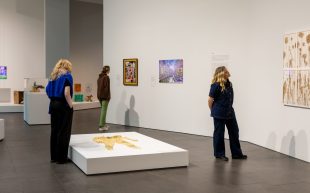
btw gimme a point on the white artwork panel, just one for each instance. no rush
(303, 49)
(296, 69)
(303, 88)
(290, 51)
(290, 87)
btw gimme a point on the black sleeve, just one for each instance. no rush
(67, 83)
(214, 90)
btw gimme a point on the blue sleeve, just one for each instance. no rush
(214, 90)
(48, 89)
(56, 87)
(69, 82)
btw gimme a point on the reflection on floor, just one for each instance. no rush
(25, 166)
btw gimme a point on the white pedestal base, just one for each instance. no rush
(36, 106)
(94, 158)
(1, 129)
(19, 108)
(85, 105)
(11, 108)
(5, 95)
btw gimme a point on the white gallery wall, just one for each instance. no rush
(192, 30)
(272, 125)
(249, 33)
(21, 41)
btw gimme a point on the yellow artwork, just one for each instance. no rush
(296, 72)
(109, 142)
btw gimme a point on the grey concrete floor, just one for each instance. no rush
(25, 165)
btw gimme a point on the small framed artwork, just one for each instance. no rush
(171, 71)
(3, 72)
(130, 72)
(77, 87)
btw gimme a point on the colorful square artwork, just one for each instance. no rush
(171, 71)
(77, 87)
(78, 98)
(3, 72)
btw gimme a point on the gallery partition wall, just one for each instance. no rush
(86, 43)
(247, 36)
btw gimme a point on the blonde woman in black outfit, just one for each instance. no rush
(221, 98)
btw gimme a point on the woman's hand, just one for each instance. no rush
(210, 102)
(68, 96)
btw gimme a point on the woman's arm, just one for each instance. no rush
(68, 96)
(210, 102)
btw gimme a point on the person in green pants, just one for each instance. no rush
(104, 96)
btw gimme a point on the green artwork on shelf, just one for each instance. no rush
(78, 98)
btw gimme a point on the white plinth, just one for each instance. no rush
(94, 158)
(36, 106)
(11, 108)
(19, 108)
(1, 129)
(5, 95)
(85, 105)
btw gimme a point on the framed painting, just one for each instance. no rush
(171, 71)
(130, 72)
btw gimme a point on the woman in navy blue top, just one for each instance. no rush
(59, 91)
(221, 98)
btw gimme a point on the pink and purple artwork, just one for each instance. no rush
(171, 71)
(3, 72)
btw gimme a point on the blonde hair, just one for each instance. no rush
(62, 66)
(219, 76)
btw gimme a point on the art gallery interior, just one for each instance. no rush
(245, 35)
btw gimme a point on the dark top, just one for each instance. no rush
(222, 107)
(103, 87)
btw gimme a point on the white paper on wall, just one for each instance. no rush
(218, 60)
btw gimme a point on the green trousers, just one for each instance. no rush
(103, 113)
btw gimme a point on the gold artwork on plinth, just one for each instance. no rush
(109, 142)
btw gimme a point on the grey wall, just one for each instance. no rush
(86, 42)
(56, 32)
